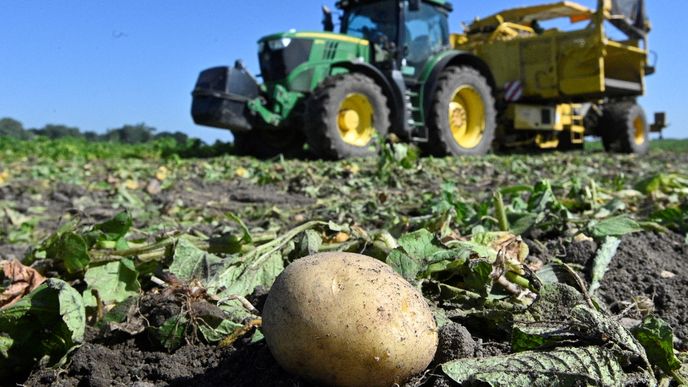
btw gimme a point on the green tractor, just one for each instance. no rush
(396, 68)
(390, 70)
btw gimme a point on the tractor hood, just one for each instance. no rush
(281, 54)
(283, 37)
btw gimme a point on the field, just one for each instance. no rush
(568, 268)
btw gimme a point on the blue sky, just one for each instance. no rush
(100, 64)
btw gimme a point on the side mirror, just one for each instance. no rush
(328, 24)
(414, 5)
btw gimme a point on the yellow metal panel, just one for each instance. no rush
(504, 60)
(530, 117)
(538, 61)
(330, 36)
(574, 11)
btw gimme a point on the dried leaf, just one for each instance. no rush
(23, 280)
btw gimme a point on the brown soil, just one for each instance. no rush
(640, 268)
(216, 198)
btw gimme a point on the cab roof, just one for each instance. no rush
(344, 4)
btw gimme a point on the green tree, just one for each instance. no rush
(179, 137)
(131, 134)
(10, 127)
(53, 131)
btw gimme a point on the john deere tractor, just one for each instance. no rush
(395, 68)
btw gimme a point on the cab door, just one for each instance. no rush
(426, 32)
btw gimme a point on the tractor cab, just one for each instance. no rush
(403, 34)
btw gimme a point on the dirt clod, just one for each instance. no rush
(455, 343)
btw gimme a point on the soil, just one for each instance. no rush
(216, 198)
(640, 268)
(648, 274)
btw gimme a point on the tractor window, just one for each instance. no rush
(427, 32)
(372, 22)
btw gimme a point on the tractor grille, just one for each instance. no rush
(277, 64)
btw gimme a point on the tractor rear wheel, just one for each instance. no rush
(624, 128)
(463, 118)
(265, 144)
(345, 114)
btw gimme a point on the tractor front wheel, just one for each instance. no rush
(624, 128)
(463, 118)
(344, 115)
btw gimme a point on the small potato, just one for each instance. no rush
(346, 319)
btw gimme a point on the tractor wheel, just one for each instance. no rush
(624, 128)
(265, 144)
(463, 118)
(345, 114)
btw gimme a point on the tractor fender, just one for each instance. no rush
(449, 59)
(392, 91)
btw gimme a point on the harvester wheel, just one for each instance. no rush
(265, 144)
(624, 128)
(344, 115)
(463, 118)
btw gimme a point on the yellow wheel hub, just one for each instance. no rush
(467, 117)
(639, 125)
(355, 120)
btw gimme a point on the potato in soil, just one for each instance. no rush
(348, 320)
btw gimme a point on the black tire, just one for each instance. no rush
(624, 128)
(323, 130)
(565, 143)
(265, 144)
(442, 141)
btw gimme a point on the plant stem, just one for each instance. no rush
(500, 212)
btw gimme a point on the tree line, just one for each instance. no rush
(128, 134)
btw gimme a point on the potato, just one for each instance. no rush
(348, 320)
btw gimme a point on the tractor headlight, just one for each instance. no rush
(279, 44)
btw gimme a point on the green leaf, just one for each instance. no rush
(242, 280)
(616, 226)
(415, 250)
(478, 276)
(246, 234)
(114, 281)
(560, 367)
(170, 335)
(216, 333)
(310, 243)
(529, 336)
(5, 345)
(657, 337)
(523, 223)
(602, 260)
(406, 266)
(419, 244)
(71, 250)
(46, 323)
(116, 227)
(189, 262)
(662, 183)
